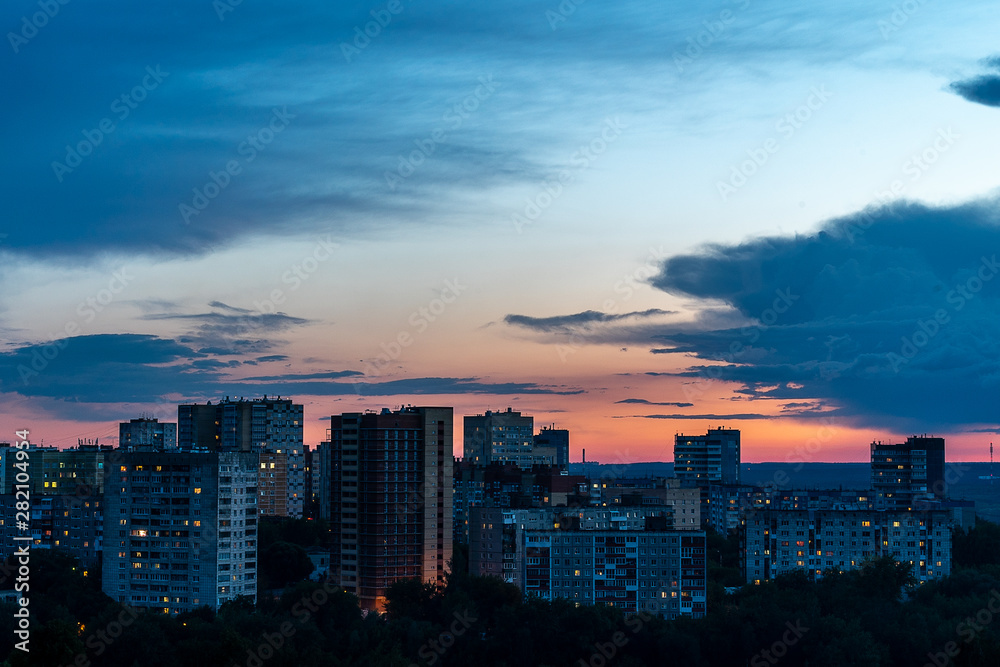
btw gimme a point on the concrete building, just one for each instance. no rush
(77, 471)
(66, 497)
(683, 502)
(180, 529)
(711, 458)
(147, 433)
(390, 495)
(508, 486)
(777, 541)
(313, 479)
(505, 437)
(556, 438)
(728, 503)
(272, 483)
(627, 558)
(272, 425)
(74, 524)
(906, 473)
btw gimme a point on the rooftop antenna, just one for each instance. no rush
(990, 476)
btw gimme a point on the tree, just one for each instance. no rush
(284, 563)
(980, 545)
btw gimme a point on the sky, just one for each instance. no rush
(627, 219)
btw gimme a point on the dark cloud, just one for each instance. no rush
(983, 89)
(354, 120)
(228, 331)
(642, 401)
(734, 417)
(142, 370)
(295, 377)
(576, 321)
(273, 357)
(890, 317)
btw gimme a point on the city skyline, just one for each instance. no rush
(626, 221)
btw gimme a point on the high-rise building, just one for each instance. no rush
(180, 529)
(72, 523)
(711, 458)
(147, 433)
(272, 483)
(390, 477)
(66, 487)
(557, 438)
(628, 558)
(77, 471)
(505, 437)
(313, 475)
(777, 541)
(271, 425)
(907, 473)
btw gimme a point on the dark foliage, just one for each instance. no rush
(871, 616)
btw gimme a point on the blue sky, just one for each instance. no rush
(570, 208)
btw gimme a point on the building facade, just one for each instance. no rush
(625, 559)
(390, 498)
(557, 439)
(508, 486)
(74, 524)
(261, 425)
(907, 473)
(180, 529)
(710, 458)
(504, 437)
(684, 503)
(777, 541)
(147, 433)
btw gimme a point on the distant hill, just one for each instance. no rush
(963, 478)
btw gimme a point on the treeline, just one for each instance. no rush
(866, 617)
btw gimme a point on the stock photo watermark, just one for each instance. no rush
(452, 121)
(915, 166)
(605, 652)
(786, 127)
(712, 30)
(784, 299)
(562, 12)
(122, 107)
(88, 309)
(433, 649)
(248, 150)
(927, 329)
(418, 322)
(48, 9)
(364, 34)
(625, 287)
(899, 17)
(968, 630)
(552, 187)
(779, 649)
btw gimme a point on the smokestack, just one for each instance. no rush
(584, 455)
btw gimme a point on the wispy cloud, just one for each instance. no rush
(642, 401)
(576, 321)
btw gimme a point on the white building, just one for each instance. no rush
(180, 529)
